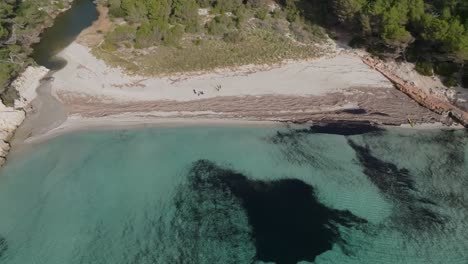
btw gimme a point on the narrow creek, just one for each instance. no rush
(48, 112)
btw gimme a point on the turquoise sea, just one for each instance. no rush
(238, 195)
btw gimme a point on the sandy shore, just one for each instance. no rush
(135, 121)
(329, 89)
(339, 87)
(87, 75)
(76, 124)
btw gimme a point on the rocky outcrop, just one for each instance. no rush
(26, 85)
(12, 117)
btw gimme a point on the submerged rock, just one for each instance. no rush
(289, 224)
(3, 246)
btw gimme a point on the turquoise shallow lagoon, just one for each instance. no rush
(238, 195)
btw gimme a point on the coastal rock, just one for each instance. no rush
(4, 148)
(10, 120)
(27, 83)
(12, 117)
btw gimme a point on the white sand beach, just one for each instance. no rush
(86, 75)
(93, 95)
(325, 88)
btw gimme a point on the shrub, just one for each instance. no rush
(357, 42)
(278, 14)
(197, 41)
(261, 13)
(185, 12)
(114, 8)
(292, 14)
(7, 71)
(412, 55)
(206, 3)
(60, 5)
(257, 3)
(223, 6)
(148, 35)
(464, 77)
(219, 25)
(9, 95)
(215, 28)
(109, 46)
(174, 35)
(233, 37)
(121, 33)
(116, 12)
(127, 44)
(305, 32)
(450, 81)
(425, 68)
(446, 69)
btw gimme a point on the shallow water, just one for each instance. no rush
(238, 195)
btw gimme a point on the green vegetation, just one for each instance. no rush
(464, 75)
(417, 30)
(425, 68)
(437, 25)
(19, 21)
(433, 33)
(226, 33)
(206, 54)
(450, 81)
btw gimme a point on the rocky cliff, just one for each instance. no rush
(12, 117)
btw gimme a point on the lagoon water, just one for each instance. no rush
(66, 27)
(238, 195)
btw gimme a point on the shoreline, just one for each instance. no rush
(80, 124)
(303, 92)
(335, 87)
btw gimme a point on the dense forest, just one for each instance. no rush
(436, 25)
(431, 33)
(165, 21)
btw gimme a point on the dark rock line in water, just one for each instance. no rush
(3, 246)
(345, 128)
(288, 222)
(397, 184)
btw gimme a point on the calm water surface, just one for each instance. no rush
(238, 195)
(65, 29)
(232, 195)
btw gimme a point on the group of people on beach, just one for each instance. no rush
(198, 93)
